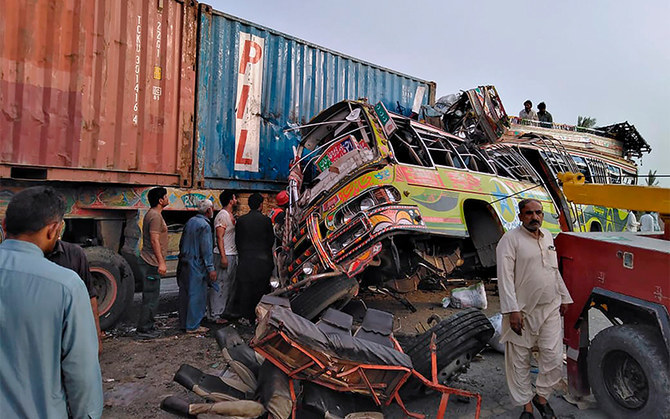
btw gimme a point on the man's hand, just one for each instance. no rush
(212, 276)
(224, 261)
(563, 309)
(162, 268)
(516, 322)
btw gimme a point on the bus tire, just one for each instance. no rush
(333, 292)
(458, 339)
(114, 282)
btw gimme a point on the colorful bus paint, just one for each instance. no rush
(383, 202)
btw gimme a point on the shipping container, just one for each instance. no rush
(98, 100)
(254, 83)
(97, 90)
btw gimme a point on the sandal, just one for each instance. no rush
(201, 329)
(526, 415)
(545, 410)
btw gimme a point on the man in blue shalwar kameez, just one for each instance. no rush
(195, 268)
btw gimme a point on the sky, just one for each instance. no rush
(607, 59)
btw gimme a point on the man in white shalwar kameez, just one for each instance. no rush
(533, 297)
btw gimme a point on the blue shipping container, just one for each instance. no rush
(254, 82)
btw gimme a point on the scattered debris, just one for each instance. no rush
(472, 296)
(328, 368)
(494, 342)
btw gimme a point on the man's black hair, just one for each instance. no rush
(155, 195)
(225, 197)
(541, 105)
(528, 101)
(524, 202)
(32, 209)
(255, 201)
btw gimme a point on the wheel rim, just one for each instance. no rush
(625, 380)
(106, 287)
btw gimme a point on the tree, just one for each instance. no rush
(586, 122)
(652, 180)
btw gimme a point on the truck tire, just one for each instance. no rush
(458, 339)
(114, 282)
(328, 292)
(629, 373)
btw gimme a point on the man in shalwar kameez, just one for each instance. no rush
(195, 268)
(533, 297)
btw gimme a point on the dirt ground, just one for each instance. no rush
(137, 374)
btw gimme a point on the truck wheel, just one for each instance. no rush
(629, 373)
(458, 339)
(329, 292)
(113, 279)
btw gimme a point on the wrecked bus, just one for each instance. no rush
(386, 200)
(604, 155)
(600, 156)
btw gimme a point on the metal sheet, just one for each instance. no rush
(98, 90)
(236, 116)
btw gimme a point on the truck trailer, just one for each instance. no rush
(105, 100)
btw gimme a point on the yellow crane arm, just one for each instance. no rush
(631, 197)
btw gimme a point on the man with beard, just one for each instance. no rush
(254, 238)
(49, 353)
(195, 268)
(151, 262)
(527, 113)
(533, 297)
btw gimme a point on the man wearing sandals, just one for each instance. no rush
(533, 297)
(196, 268)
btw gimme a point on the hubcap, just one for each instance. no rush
(105, 284)
(625, 380)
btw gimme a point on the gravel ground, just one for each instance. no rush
(138, 374)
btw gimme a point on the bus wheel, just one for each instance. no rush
(328, 292)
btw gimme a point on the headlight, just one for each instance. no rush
(307, 268)
(366, 204)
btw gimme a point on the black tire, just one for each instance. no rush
(114, 282)
(333, 292)
(458, 339)
(630, 359)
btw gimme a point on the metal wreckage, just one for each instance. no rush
(293, 367)
(383, 201)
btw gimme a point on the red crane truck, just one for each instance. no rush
(626, 276)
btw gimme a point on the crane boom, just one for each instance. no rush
(631, 197)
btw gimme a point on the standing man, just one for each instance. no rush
(196, 268)
(49, 352)
(631, 222)
(533, 297)
(543, 116)
(72, 256)
(278, 214)
(152, 261)
(225, 259)
(648, 222)
(527, 112)
(254, 238)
